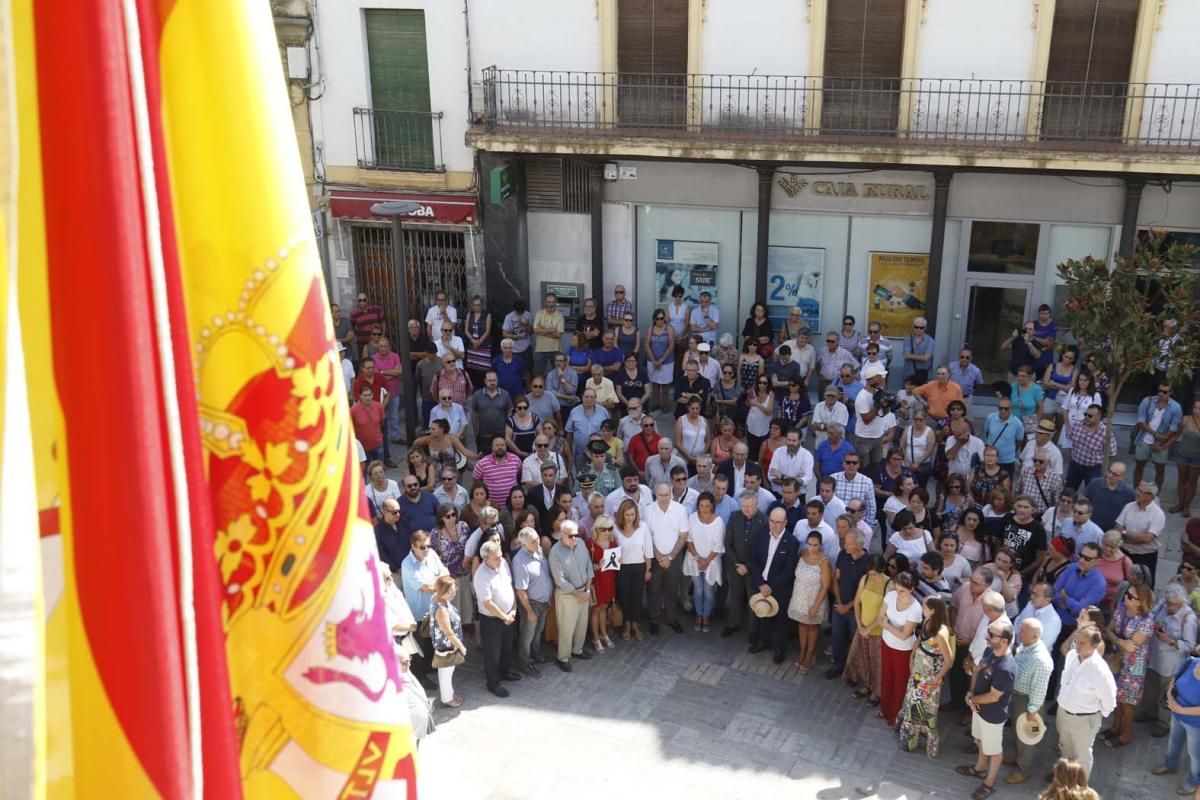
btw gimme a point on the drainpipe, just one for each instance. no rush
(766, 180)
(1129, 215)
(937, 244)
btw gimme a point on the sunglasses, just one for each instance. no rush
(648, 425)
(629, 319)
(522, 407)
(450, 514)
(919, 327)
(604, 528)
(362, 299)
(1039, 461)
(568, 535)
(448, 477)
(412, 486)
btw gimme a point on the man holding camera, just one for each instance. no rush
(875, 420)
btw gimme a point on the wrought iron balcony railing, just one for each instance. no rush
(935, 111)
(399, 140)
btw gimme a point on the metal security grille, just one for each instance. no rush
(436, 261)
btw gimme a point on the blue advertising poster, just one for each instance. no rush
(794, 281)
(692, 265)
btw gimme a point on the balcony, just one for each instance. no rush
(409, 141)
(790, 117)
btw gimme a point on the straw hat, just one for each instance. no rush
(764, 606)
(1030, 732)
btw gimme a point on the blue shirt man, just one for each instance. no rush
(1080, 528)
(583, 421)
(965, 373)
(1003, 431)
(829, 456)
(1109, 495)
(417, 506)
(920, 345)
(510, 373)
(1079, 585)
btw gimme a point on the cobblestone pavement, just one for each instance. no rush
(696, 716)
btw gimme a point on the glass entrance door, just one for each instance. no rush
(994, 310)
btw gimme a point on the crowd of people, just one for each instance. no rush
(997, 570)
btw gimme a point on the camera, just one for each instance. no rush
(884, 400)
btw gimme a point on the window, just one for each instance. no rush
(652, 59)
(1006, 248)
(1091, 51)
(401, 123)
(864, 43)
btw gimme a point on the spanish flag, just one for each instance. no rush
(213, 624)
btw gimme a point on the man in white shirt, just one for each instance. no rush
(441, 311)
(709, 367)
(963, 450)
(828, 412)
(812, 521)
(834, 506)
(1141, 523)
(1041, 608)
(754, 484)
(631, 489)
(668, 524)
(449, 343)
(705, 319)
(993, 611)
(1087, 693)
(531, 467)
(681, 493)
(1041, 441)
(791, 461)
(871, 425)
(803, 352)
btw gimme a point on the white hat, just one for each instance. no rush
(1030, 733)
(341, 347)
(764, 606)
(704, 347)
(873, 369)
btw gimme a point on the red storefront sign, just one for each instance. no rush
(447, 209)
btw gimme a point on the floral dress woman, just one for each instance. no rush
(918, 719)
(451, 549)
(1132, 680)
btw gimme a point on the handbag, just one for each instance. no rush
(614, 615)
(450, 659)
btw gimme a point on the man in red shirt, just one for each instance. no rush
(370, 379)
(367, 416)
(365, 316)
(644, 445)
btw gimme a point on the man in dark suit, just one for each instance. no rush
(772, 568)
(745, 525)
(542, 497)
(737, 468)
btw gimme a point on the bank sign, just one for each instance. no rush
(851, 194)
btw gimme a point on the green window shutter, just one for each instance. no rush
(399, 72)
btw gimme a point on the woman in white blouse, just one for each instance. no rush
(380, 487)
(919, 445)
(1074, 404)
(705, 544)
(760, 401)
(908, 539)
(691, 434)
(637, 553)
(899, 615)
(899, 500)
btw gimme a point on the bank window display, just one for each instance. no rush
(1004, 248)
(1067, 242)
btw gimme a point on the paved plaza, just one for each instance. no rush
(695, 716)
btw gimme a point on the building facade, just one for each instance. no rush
(879, 158)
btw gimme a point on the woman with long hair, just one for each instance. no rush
(759, 327)
(702, 562)
(726, 393)
(691, 435)
(478, 330)
(1059, 378)
(446, 633)
(557, 443)
(660, 360)
(1074, 404)
(900, 615)
(637, 553)
(970, 537)
(989, 476)
(1068, 782)
(760, 402)
(522, 427)
(629, 338)
(954, 501)
(931, 660)
(898, 501)
(918, 444)
(1187, 461)
(420, 468)
(723, 442)
(472, 512)
(1027, 400)
(604, 582)
(807, 607)
(868, 600)
(776, 440)
(444, 447)
(795, 407)
(380, 487)
(750, 365)
(449, 541)
(1129, 634)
